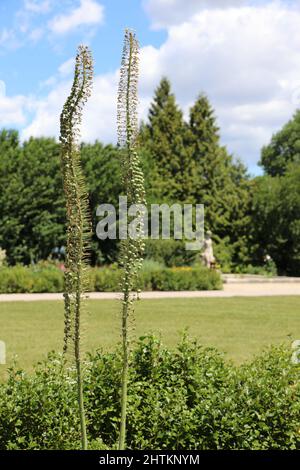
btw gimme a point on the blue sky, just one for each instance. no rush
(27, 62)
(245, 55)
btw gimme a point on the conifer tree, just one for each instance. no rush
(210, 175)
(187, 163)
(218, 183)
(163, 141)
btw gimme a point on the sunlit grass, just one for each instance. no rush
(239, 327)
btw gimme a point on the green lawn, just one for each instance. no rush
(240, 327)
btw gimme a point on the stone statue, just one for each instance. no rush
(208, 258)
(2, 353)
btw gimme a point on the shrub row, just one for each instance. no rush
(20, 279)
(188, 398)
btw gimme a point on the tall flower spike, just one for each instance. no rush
(131, 253)
(78, 220)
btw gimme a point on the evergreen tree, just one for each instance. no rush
(185, 162)
(162, 139)
(209, 158)
(218, 183)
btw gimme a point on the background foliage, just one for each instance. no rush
(183, 161)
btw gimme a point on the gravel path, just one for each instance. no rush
(231, 289)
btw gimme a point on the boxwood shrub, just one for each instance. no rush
(187, 398)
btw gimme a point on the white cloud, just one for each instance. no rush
(31, 9)
(89, 12)
(246, 59)
(12, 109)
(23, 26)
(36, 34)
(8, 39)
(63, 73)
(37, 6)
(169, 12)
(67, 67)
(99, 121)
(99, 116)
(46, 113)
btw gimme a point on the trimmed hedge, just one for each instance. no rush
(188, 398)
(21, 279)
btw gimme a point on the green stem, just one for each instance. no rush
(80, 400)
(77, 315)
(122, 436)
(78, 309)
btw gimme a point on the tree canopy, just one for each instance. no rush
(283, 149)
(276, 219)
(32, 200)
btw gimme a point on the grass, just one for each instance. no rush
(240, 327)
